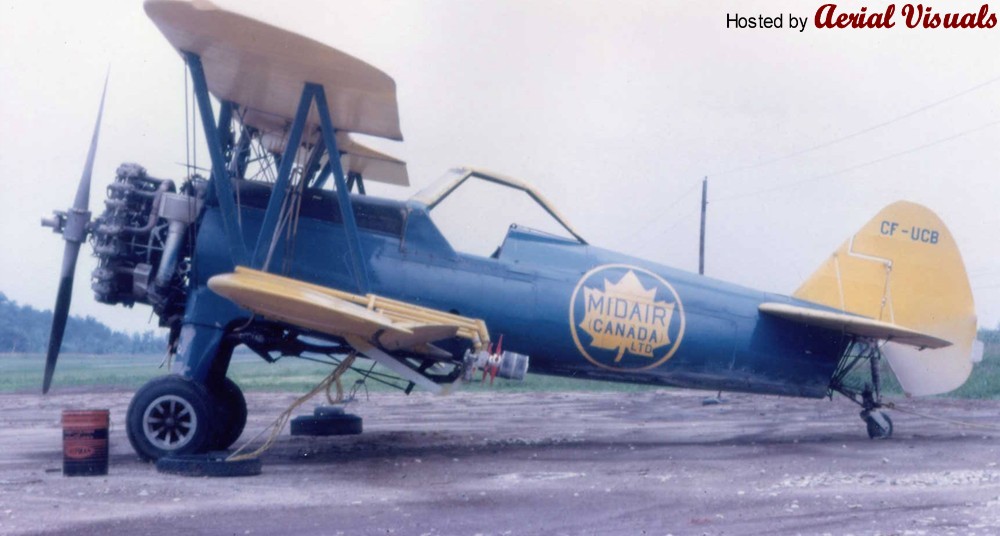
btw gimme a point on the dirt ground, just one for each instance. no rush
(656, 462)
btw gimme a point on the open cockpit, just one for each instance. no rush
(479, 213)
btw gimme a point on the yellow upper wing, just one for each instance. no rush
(263, 68)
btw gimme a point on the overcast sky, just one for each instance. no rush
(615, 110)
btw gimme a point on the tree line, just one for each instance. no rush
(24, 329)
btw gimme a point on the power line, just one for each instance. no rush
(861, 165)
(862, 131)
(841, 139)
(673, 224)
(661, 211)
(986, 287)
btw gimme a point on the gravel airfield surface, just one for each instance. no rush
(501, 463)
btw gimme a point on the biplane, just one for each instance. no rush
(302, 262)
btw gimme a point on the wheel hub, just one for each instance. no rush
(169, 422)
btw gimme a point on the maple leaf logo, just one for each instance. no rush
(625, 317)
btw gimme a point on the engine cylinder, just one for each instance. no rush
(143, 227)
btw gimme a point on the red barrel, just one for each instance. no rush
(85, 442)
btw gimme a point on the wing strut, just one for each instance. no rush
(220, 177)
(224, 191)
(343, 193)
(280, 190)
(393, 364)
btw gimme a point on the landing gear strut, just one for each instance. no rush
(877, 422)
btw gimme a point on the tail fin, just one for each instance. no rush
(904, 267)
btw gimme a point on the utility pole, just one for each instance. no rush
(701, 268)
(701, 241)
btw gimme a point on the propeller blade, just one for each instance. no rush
(72, 251)
(61, 311)
(82, 201)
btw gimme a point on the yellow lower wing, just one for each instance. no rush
(389, 324)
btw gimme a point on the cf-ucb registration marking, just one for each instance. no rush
(915, 233)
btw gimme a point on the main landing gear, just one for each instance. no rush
(176, 415)
(181, 416)
(877, 421)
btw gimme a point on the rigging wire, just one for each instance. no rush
(264, 162)
(194, 135)
(297, 187)
(187, 123)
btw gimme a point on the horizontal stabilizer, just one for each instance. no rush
(852, 325)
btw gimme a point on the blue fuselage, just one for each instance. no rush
(577, 310)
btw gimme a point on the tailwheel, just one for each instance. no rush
(170, 415)
(230, 413)
(879, 424)
(869, 397)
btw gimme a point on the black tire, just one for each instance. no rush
(210, 464)
(170, 415)
(230, 413)
(329, 425)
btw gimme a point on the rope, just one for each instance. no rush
(279, 423)
(892, 406)
(336, 382)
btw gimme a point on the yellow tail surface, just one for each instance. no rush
(904, 267)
